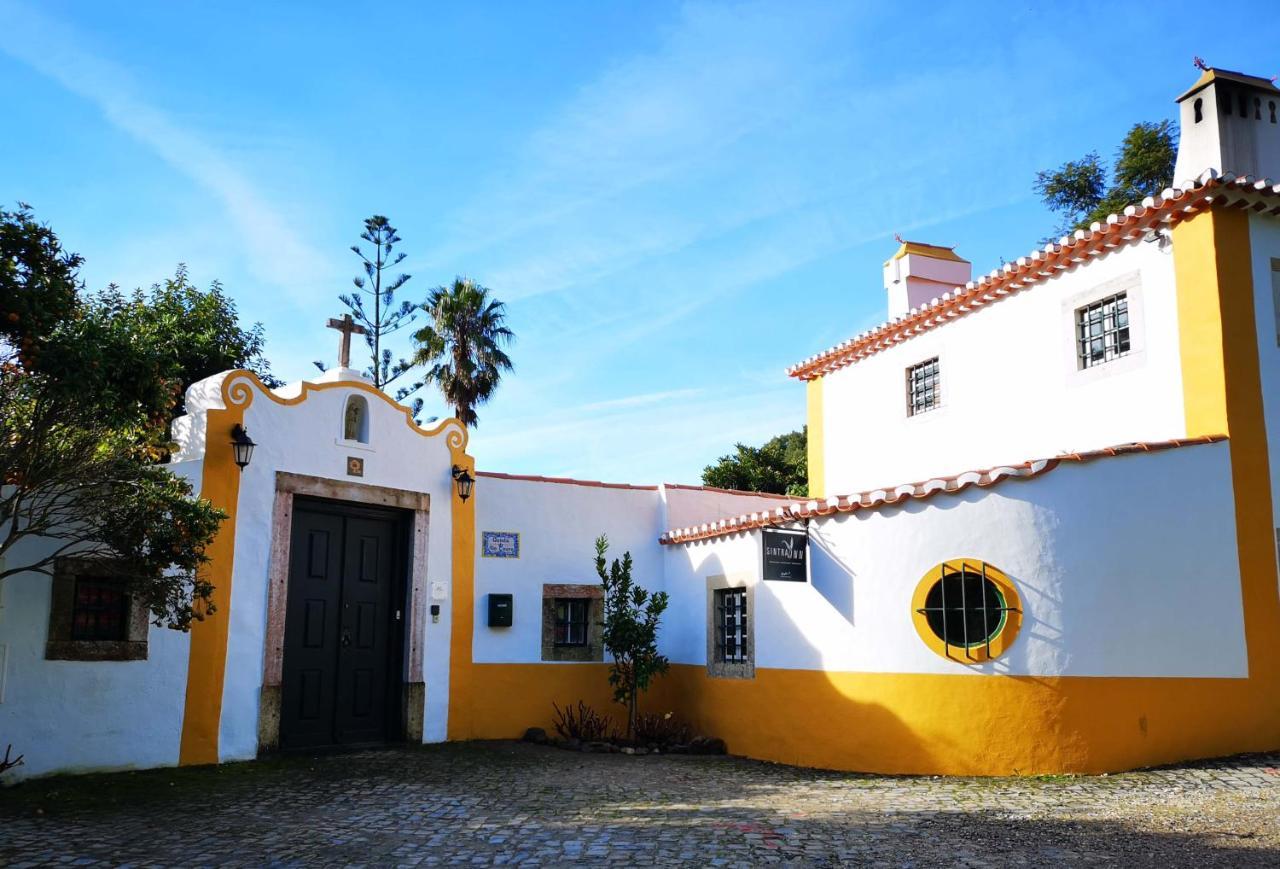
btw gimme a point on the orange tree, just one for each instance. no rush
(630, 630)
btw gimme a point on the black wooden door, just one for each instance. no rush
(342, 626)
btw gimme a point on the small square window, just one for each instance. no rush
(571, 622)
(924, 387)
(1102, 330)
(100, 609)
(92, 615)
(731, 624)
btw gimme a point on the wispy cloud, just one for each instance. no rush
(277, 254)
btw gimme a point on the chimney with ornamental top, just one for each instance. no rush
(919, 273)
(1228, 123)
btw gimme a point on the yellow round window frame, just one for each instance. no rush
(977, 653)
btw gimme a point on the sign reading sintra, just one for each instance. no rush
(500, 544)
(785, 553)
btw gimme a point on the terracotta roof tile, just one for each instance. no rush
(877, 498)
(1170, 207)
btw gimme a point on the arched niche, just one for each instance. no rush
(355, 419)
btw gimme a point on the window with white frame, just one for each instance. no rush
(1102, 330)
(924, 387)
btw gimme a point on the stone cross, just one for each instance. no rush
(347, 327)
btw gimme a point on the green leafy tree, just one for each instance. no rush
(39, 286)
(780, 467)
(86, 393)
(462, 346)
(1078, 189)
(382, 316)
(631, 617)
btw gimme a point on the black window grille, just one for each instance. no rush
(1102, 330)
(731, 624)
(571, 621)
(100, 610)
(924, 387)
(965, 608)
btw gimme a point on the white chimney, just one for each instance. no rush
(919, 273)
(1229, 123)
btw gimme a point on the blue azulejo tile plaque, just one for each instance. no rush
(500, 544)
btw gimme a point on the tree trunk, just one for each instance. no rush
(633, 708)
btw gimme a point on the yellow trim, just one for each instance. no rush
(1209, 76)
(816, 457)
(207, 658)
(932, 251)
(220, 484)
(462, 696)
(977, 654)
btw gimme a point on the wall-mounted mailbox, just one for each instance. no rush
(500, 608)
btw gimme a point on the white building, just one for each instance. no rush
(1040, 537)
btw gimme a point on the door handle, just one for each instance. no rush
(346, 638)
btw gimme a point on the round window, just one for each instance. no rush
(966, 610)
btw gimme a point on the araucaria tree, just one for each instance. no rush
(462, 346)
(382, 317)
(1080, 193)
(630, 630)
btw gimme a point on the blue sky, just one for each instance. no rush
(676, 200)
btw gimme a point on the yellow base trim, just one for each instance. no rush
(911, 723)
(816, 455)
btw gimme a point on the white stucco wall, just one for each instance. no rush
(67, 716)
(304, 438)
(558, 524)
(1116, 574)
(1011, 390)
(1264, 243)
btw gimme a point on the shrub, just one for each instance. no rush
(662, 728)
(582, 723)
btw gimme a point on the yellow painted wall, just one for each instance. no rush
(816, 442)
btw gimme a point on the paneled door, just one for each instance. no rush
(343, 618)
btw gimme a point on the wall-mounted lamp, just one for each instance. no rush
(465, 482)
(242, 445)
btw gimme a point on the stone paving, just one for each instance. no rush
(512, 803)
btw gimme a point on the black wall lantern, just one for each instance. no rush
(465, 482)
(242, 444)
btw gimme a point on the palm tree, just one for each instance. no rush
(462, 345)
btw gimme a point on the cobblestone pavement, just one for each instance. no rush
(511, 803)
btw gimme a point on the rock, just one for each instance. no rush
(708, 745)
(536, 735)
(597, 747)
(641, 750)
(678, 748)
(573, 744)
(626, 749)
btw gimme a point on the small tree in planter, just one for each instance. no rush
(631, 616)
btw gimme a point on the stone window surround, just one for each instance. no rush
(60, 646)
(594, 648)
(731, 669)
(289, 485)
(1129, 283)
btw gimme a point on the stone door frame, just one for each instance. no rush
(288, 486)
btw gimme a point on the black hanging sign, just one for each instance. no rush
(785, 553)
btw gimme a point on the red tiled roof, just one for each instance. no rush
(1172, 206)
(877, 498)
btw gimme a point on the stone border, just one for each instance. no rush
(288, 486)
(594, 649)
(60, 646)
(731, 669)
